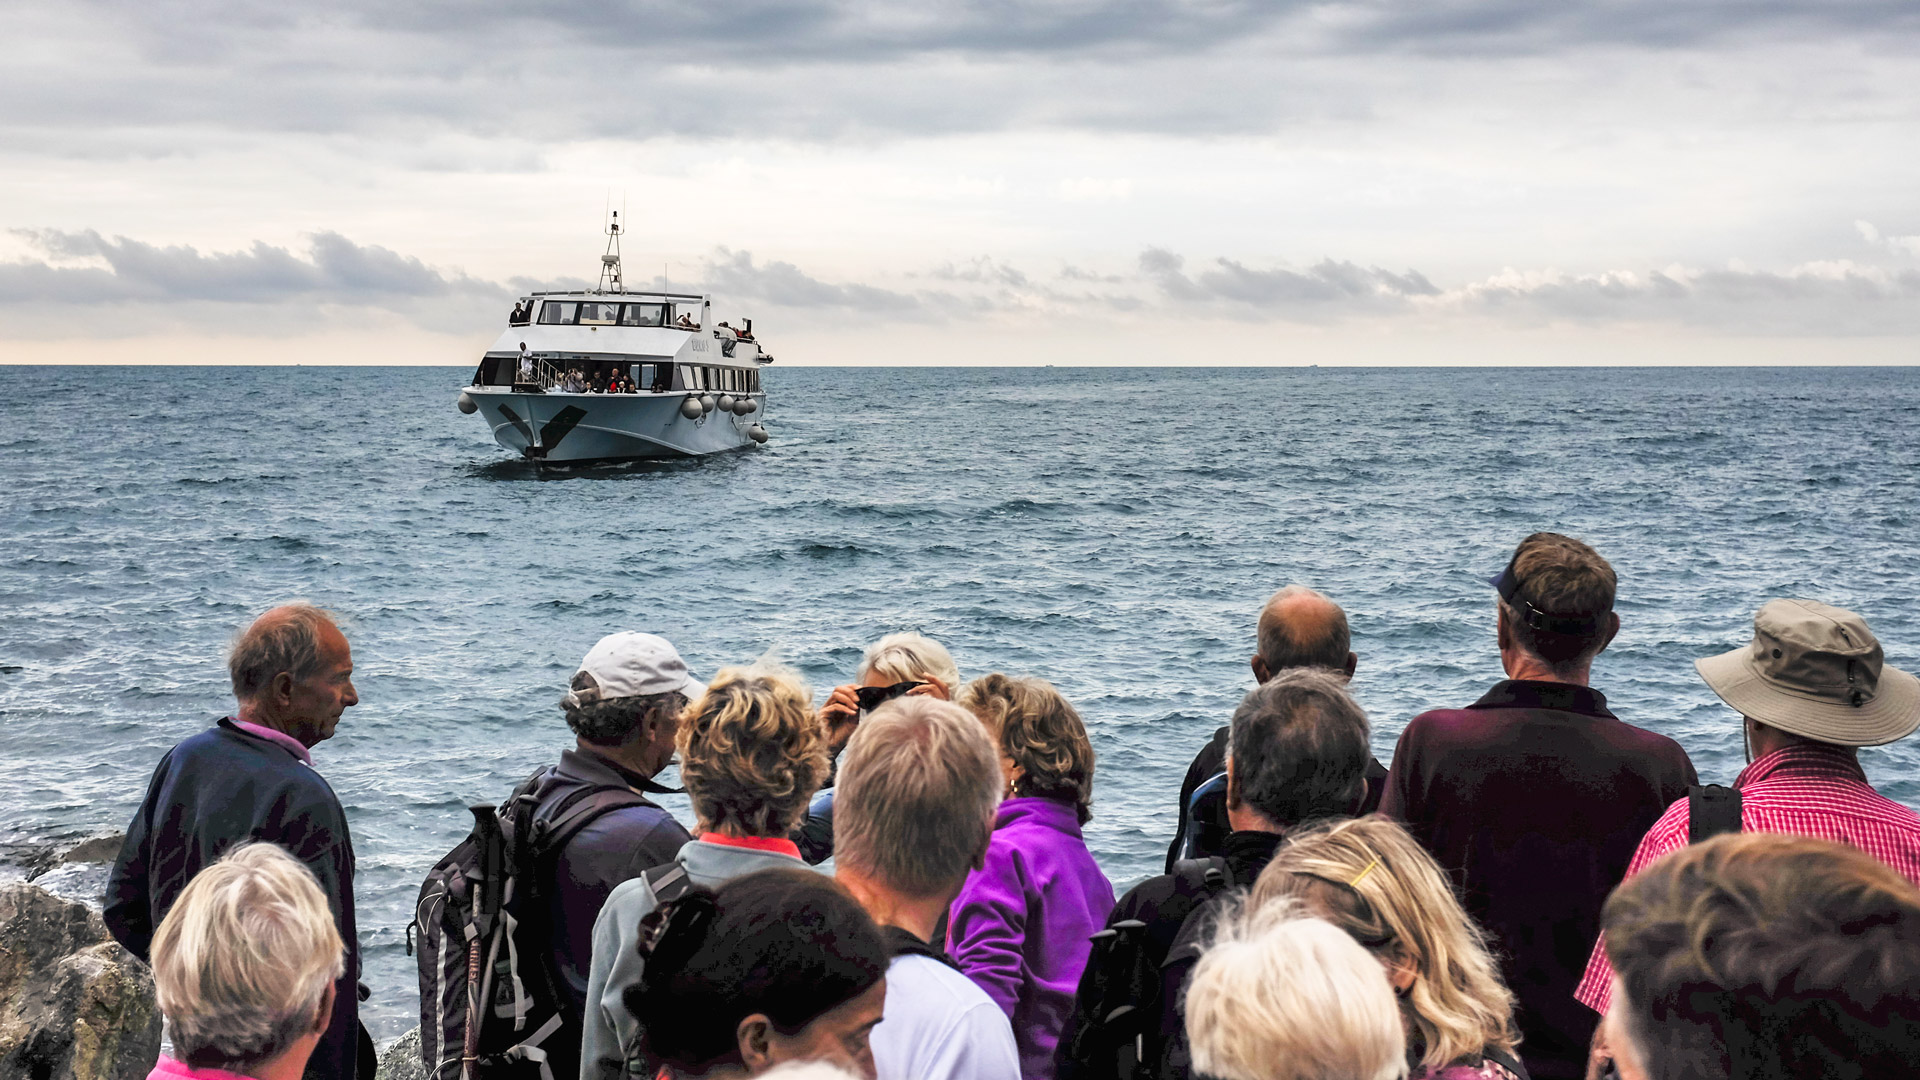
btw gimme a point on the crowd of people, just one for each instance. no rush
(1531, 888)
(612, 381)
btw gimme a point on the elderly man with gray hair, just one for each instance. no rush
(251, 777)
(244, 967)
(914, 814)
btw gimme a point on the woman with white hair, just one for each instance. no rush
(898, 665)
(244, 966)
(1279, 996)
(894, 666)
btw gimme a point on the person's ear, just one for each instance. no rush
(1359, 797)
(754, 1036)
(1613, 629)
(1501, 630)
(1261, 673)
(1400, 971)
(1353, 662)
(324, 1018)
(1233, 787)
(280, 689)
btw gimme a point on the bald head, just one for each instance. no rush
(1299, 628)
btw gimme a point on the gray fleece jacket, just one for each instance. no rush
(609, 1027)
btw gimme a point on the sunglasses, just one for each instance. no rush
(872, 697)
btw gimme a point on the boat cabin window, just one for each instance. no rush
(595, 313)
(728, 379)
(643, 314)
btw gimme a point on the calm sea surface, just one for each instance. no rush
(1114, 530)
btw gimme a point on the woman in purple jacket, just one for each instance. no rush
(1022, 922)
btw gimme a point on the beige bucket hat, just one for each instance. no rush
(1816, 671)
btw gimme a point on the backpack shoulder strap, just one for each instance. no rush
(1509, 1062)
(578, 809)
(1211, 873)
(668, 882)
(1712, 809)
(904, 943)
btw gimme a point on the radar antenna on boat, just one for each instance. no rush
(610, 262)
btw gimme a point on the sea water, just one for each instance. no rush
(1113, 530)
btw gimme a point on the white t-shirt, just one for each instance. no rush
(940, 1026)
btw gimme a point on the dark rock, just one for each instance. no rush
(402, 1059)
(74, 1005)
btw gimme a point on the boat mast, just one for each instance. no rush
(610, 262)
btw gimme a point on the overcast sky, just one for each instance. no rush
(1470, 181)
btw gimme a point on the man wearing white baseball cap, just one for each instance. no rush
(1812, 687)
(624, 707)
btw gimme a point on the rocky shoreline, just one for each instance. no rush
(74, 1004)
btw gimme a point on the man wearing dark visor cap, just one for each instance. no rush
(1535, 796)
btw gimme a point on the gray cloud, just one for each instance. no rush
(564, 69)
(1836, 298)
(335, 270)
(1326, 290)
(734, 274)
(146, 285)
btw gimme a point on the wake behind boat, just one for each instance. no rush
(605, 374)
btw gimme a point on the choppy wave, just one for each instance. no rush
(1111, 529)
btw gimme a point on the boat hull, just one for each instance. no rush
(561, 427)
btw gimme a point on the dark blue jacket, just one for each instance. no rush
(215, 790)
(616, 846)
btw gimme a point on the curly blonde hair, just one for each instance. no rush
(1369, 877)
(1041, 732)
(752, 752)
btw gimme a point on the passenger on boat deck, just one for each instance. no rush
(526, 363)
(687, 324)
(575, 382)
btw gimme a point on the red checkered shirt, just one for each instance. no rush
(1806, 790)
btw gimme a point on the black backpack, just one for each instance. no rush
(1117, 1031)
(1712, 810)
(490, 998)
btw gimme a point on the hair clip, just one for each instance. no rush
(1362, 875)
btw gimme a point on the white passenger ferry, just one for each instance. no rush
(605, 374)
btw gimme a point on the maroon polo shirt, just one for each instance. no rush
(1534, 798)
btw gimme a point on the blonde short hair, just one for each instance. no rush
(907, 656)
(1369, 877)
(243, 960)
(752, 751)
(914, 802)
(1041, 732)
(1278, 996)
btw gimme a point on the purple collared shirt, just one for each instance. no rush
(294, 746)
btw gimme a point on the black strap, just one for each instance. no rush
(1211, 873)
(1506, 1061)
(905, 943)
(574, 812)
(668, 882)
(1712, 809)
